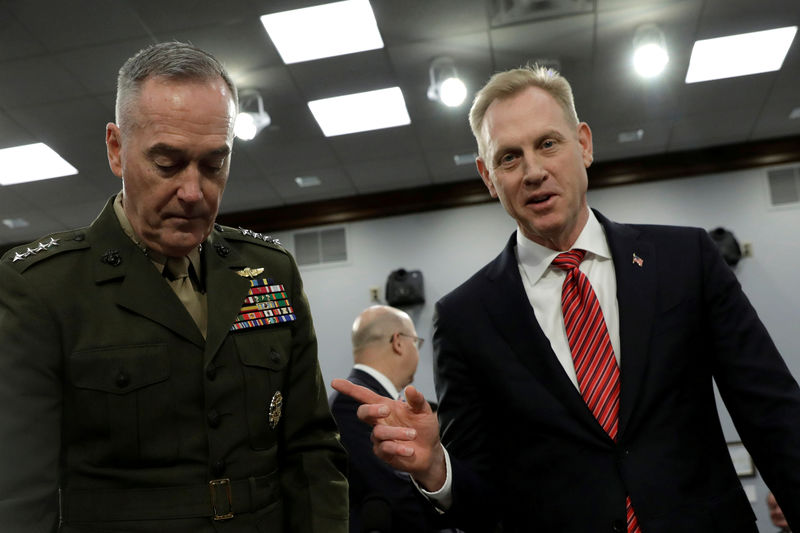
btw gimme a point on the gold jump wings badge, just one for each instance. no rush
(248, 272)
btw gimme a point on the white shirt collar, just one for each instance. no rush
(381, 378)
(536, 258)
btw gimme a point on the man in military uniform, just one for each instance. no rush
(158, 372)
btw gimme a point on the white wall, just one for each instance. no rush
(450, 245)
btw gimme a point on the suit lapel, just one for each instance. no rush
(512, 316)
(359, 377)
(635, 264)
(142, 289)
(225, 288)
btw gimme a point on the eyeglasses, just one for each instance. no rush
(418, 341)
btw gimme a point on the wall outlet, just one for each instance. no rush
(373, 294)
(747, 249)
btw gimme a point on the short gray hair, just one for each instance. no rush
(172, 61)
(510, 82)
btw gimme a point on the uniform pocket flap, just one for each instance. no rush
(120, 369)
(268, 350)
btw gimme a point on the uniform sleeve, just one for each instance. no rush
(30, 408)
(758, 389)
(314, 461)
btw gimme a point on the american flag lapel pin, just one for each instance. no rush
(638, 261)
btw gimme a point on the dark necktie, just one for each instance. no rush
(592, 353)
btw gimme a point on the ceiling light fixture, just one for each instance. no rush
(650, 55)
(251, 118)
(630, 136)
(352, 113)
(16, 223)
(32, 162)
(328, 30)
(446, 87)
(307, 181)
(739, 55)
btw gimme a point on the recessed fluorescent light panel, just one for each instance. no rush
(32, 162)
(372, 110)
(739, 55)
(16, 223)
(630, 136)
(328, 30)
(307, 181)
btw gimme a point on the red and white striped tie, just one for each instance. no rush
(592, 353)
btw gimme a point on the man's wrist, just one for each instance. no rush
(435, 477)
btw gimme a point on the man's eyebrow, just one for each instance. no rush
(163, 149)
(168, 150)
(222, 150)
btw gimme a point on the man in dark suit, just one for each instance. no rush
(386, 354)
(625, 437)
(158, 372)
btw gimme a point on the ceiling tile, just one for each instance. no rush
(65, 25)
(335, 184)
(36, 80)
(387, 174)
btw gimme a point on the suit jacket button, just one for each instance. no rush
(218, 468)
(123, 380)
(213, 418)
(211, 372)
(618, 526)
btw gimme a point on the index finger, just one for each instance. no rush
(357, 392)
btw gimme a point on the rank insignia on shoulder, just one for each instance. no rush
(256, 235)
(266, 304)
(33, 251)
(248, 272)
(275, 409)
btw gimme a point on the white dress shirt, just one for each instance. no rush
(385, 382)
(543, 283)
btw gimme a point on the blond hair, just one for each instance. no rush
(510, 82)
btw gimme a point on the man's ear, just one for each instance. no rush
(486, 176)
(114, 148)
(396, 347)
(585, 140)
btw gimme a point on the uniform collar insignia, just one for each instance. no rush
(33, 251)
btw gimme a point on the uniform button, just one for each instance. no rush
(275, 357)
(213, 418)
(618, 526)
(79, 237)
(218, 468)
(211, 372)
(123, 380)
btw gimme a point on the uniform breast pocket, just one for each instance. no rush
(123, 404)
(264, 355)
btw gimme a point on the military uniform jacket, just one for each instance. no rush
(116, 415)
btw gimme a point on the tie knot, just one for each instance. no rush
(177, 267)
(569, 260)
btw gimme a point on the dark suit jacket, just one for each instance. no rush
(370, 476)
(524, 443)
(110, 394)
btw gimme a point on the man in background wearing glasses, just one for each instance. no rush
(386, 353)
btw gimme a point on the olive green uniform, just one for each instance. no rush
(117, 415)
